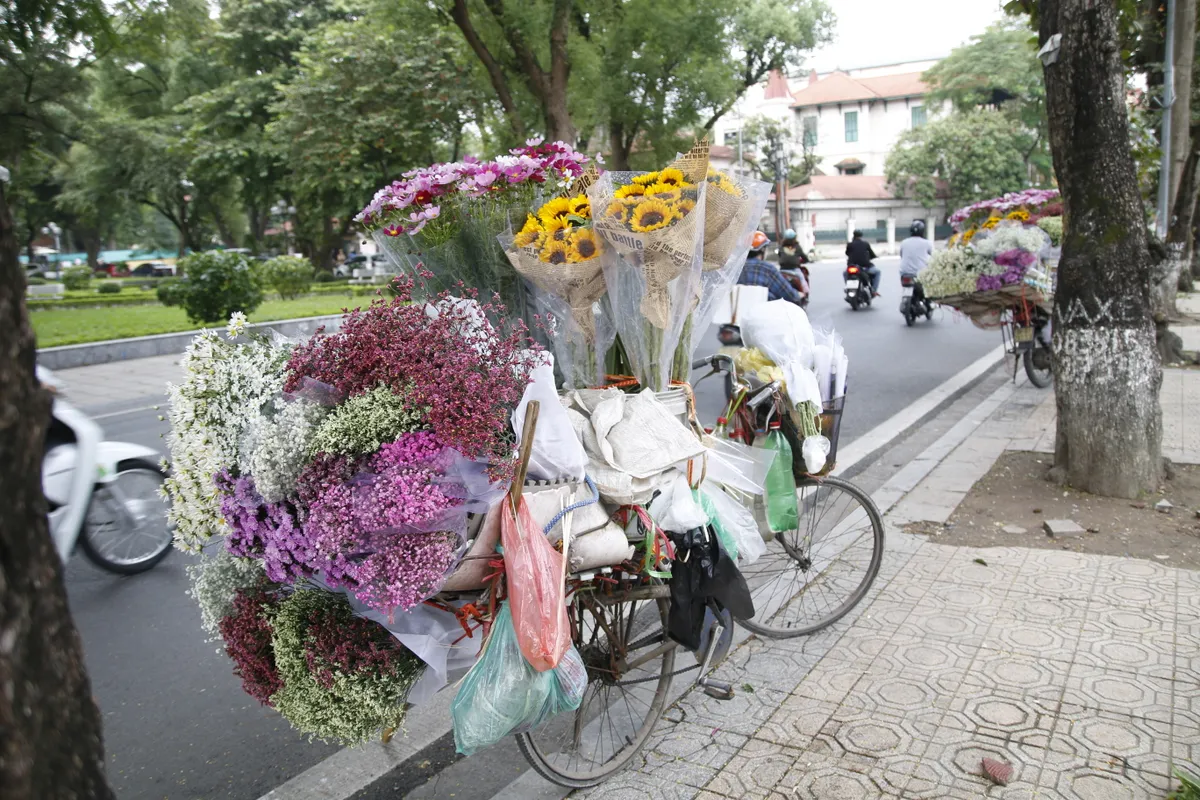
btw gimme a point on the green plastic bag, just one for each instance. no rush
(503, 694)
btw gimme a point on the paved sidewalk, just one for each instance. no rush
(1081, 671)
(118, 382)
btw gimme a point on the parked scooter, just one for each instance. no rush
(858, 287)
(102, 496)
(913, 302)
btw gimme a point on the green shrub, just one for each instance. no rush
(218, 283)
(1054, 227)
(33, 280)
(290, 276)
(100, 274)
(76, 278)
(325, 276)
(109, 288)
(170, 293)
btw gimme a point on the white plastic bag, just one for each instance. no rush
(737, 465)
(676, 510)
(801, 384)
(781, 330)
(603, 548)
(557, 452)
(815, 450)
(823, 367)
(738, 522)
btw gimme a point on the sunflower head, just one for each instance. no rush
(584, 245)
(558, 208)
(581, 206)
(555, 252)
(556, 230)
(650, 216)
(632, 190)
(618, 210)
(1020, 215)
(671, 177)
(646, 178)
(685, 207)
(666, 192)
(529, 233)
(991, 222)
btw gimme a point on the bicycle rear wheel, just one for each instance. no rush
(811, 577)
(622, 640)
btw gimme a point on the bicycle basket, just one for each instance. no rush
(830, 423)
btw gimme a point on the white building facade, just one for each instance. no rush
(850, 120)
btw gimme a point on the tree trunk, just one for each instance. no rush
(50, 741)
(618, 159)
(1107, 369)
(92, 244)
(559, 126)
(1167, 274)
(1181, 111)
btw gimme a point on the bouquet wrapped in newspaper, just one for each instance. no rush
(654, 221)
(732, 210)
(439, 224)
(558, 252)
(337, 475)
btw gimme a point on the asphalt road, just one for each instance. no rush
(177, 724)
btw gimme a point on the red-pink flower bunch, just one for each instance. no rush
(247, 635)
(449, 359)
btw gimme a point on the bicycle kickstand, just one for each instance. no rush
(718, 690)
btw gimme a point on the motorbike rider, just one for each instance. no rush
(759, 272)
(791, 254)
(914, 256)
(859, 254)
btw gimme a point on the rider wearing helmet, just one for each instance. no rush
(859, 254)
(915, 250)
(759, 272)
(791, 254)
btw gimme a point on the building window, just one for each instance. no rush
(810, 131)
(851, 126)
(918, 116)
(731, 138)
(852, 171)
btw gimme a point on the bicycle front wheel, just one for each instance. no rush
(811, 577)
(629, 659)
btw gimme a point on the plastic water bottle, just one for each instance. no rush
(782, 511)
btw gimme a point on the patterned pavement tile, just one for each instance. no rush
(899, 693)
(637, 785)
(760, 665)
(933, 622)
(1004, 670)
(957, 766)
(865, 737)
(797, 721)
(1107, 742)
(831, 680)
(755, 771)
(816, 777)
(1153, 654)
(1117, 692)
(953, 596)
(1037, 639)
(1048, 611)
(743, 715)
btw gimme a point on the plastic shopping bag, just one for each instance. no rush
(738, 523)
(557, 452)
(503, 694)
(535, 573)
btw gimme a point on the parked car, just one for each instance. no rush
(153, 269)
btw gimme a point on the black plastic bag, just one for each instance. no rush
(703, 573)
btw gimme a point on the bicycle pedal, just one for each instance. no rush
(718, 690)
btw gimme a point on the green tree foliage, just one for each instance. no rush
(218, 283)
(369, 100)
(974, 155)
(999, 70)
(288, 276)
(764, 136)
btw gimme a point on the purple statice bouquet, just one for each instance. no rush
(1014, 263)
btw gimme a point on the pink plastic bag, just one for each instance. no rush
(534, 571)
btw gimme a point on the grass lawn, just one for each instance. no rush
(56, 327)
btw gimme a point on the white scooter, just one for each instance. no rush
(103, 496)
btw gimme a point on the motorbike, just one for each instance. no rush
(1030, 340)
(858, 287)
(794, 278)
(103, 497)
(913, 302)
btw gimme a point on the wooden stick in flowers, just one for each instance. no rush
(527, 432)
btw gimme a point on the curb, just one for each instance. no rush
(163, 344)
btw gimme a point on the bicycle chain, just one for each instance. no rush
(658, 677)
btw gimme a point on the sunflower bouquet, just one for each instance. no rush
(558, 252)
(732, 209)
(654, 224)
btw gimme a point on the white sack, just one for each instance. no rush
(602, 548)
(557, 452)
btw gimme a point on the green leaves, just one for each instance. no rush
(969, 157)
